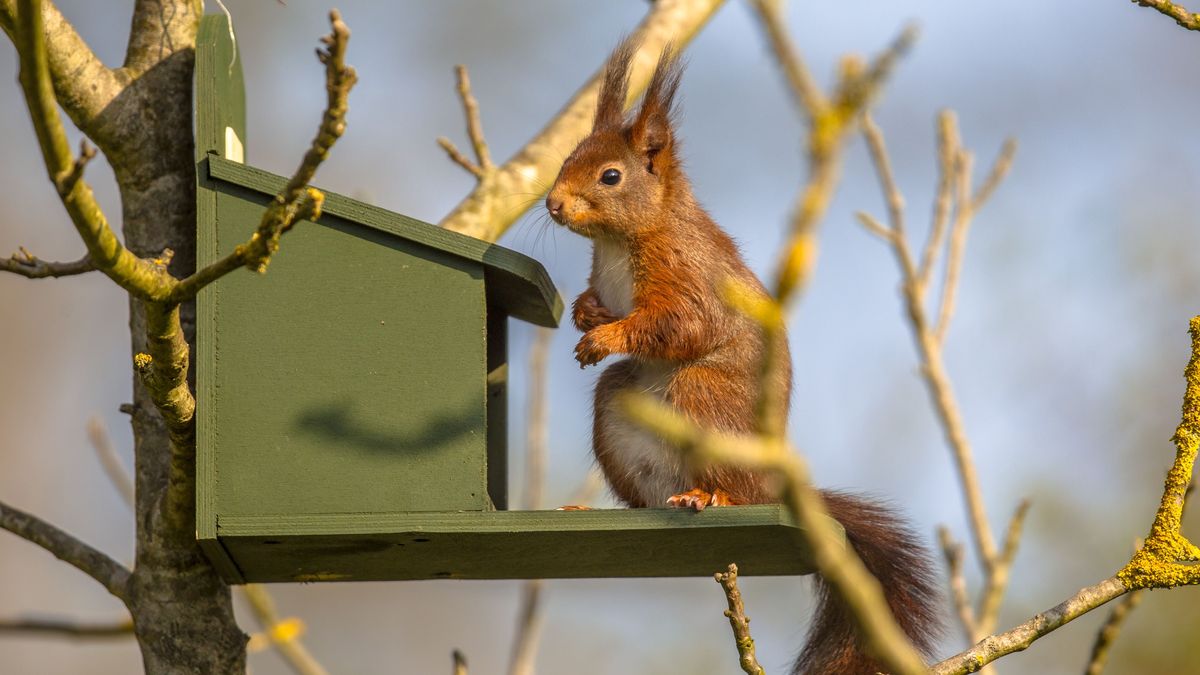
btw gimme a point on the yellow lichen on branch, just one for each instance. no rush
(1167, 558)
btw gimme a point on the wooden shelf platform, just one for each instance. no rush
(510, 545)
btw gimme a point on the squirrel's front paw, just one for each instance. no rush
(588, 312)
(595, 345)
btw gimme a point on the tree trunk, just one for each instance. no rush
(182, 610)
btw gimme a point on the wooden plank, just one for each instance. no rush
(516, 544)
(350, 377)
(220, 92)
(220, 113)
(517, 283)
(497, 407)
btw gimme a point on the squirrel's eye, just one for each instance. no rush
(610, 177)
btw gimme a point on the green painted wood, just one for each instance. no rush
(220, 92)
(497, 407)
(220, 104)
(350, 377)
(517, 544)
(516, 283)
(352, 403)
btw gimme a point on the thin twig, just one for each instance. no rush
(529, 615)
(107, 254)
(30, 266)
(996, 578)
(92, 562)
(458, 158)
(283, 634)
(1116, 618)
(837, 563)
(953, 552)
(933, 368)
(1109, 631)
(958, 245)
(474, 129)
(738, 621)
(828, 132)
(110, 460)
(968, 205)
(66, 628)
(809, 97)
(1021, 637)
(948, 149)
(297, 201)
(1188, 20)
(1165, 560)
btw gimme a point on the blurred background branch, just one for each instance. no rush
(954, 193)
(488, 211)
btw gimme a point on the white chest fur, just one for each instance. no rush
(651, 467)
(612, 278)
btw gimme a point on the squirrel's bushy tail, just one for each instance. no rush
(892, 553)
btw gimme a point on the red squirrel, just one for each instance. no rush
(658, 263)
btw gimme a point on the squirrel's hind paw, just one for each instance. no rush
(699, 499)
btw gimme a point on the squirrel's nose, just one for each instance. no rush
(554, 206)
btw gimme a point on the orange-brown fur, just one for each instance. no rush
(686, 345)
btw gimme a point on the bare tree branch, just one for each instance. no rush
(474, 130)
(111, 574)
(1188, 20)
(106, 252)
(948, 152)
(1166, 559)
(529, 615)
(738, 621)
(66, 628)
(109, 460)
(83, 85)
(914, 288)
(1109, 631)
(829, 128)
(1116, 618)
(835, 562)
(27, 265)
(297, 201)
(996, 579)
(1024, 635)
(809, 97)
(953, 552)
(283, 634)
(494, 204)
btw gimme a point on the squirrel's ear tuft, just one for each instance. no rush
(652, 128)
(610, 109)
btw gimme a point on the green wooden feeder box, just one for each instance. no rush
(352, 401)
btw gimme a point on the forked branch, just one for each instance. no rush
(482, 166)
(835, 562)
(1166, 559)
(954, 192)
(297, 201)
(106, 252)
